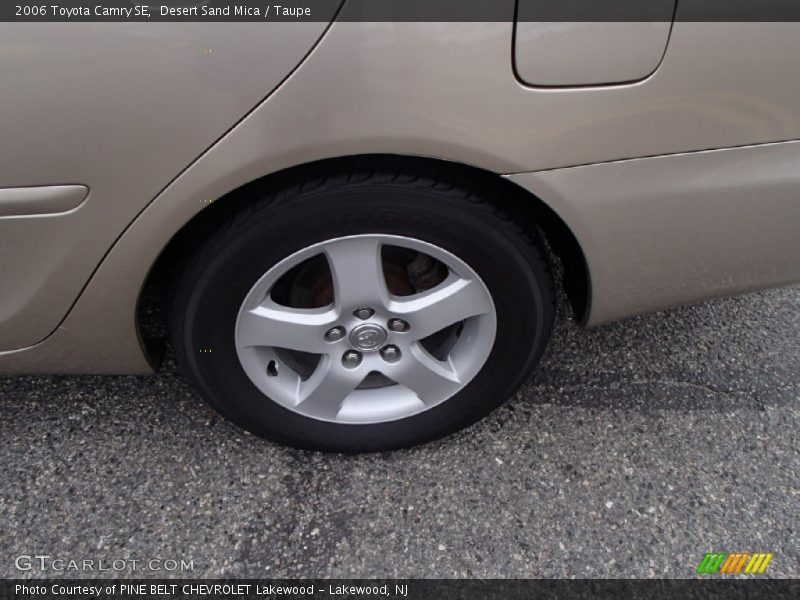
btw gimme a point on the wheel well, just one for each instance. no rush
(529, 211)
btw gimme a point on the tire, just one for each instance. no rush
(223, 337)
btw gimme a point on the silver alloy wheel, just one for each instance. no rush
(348, 349)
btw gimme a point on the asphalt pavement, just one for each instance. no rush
(635, 449)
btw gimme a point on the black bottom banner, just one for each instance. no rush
(399, 589)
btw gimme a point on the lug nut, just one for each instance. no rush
(351, 359)
(363, 313)
(398, 325)
(335, 334)
(390, 354)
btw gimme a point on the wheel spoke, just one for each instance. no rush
(357, 271)
(281, 327)
(428, 378)
(324, 392)
(453, 301)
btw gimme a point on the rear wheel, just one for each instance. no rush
(363, 314)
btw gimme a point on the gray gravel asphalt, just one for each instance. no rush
(636, 448)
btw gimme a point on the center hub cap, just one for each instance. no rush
(368, 338)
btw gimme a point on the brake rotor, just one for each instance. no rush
(312, 287)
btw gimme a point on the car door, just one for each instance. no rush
(98, 118)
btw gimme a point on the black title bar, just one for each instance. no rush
(399, 10)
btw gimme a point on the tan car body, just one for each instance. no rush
(677, 187)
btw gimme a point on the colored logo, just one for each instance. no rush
(729, 564)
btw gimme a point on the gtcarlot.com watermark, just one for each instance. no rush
(45, 563)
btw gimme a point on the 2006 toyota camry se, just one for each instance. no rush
(350, 228)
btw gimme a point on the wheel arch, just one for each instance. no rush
(529, 211)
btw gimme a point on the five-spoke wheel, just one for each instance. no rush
(378, 356)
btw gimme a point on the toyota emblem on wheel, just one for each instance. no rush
(368, 337)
